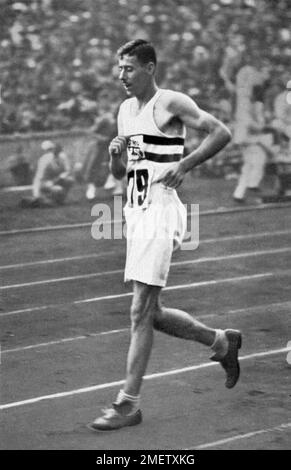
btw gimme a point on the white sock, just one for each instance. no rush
(134, 400)
(220, 344)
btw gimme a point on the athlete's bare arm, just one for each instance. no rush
(184, 108)
(117, 148)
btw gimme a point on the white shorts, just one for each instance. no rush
(152, 236)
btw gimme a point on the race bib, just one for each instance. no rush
(135, 148)
(139, 182)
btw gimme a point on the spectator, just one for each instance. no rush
(48, 46)
(255, 148)
(52, 179)
(248, 77)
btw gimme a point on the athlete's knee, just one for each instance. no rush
(141, 315)
(143, 307)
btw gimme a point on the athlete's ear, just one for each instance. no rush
(151, 68)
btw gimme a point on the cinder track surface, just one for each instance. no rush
(64, 327)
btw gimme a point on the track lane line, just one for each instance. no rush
(64, 340)
(246, 236)
(56, 260)
(176, 263)
(192, 285)
(254, 309)
(248, 435)
(220, 211)
(105, 386)
(109, 253)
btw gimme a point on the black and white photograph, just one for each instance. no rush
(145, 229)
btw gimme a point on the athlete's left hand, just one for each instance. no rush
(173, 176)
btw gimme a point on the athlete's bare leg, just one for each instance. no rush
(147, 313)
(224, 343)
(180, 324)
(143, 308)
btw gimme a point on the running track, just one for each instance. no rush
(65, 331)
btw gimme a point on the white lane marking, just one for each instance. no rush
(280, 428)
(61, 279)
(192, 285)
(47, 228)
(109, 253)
(255, 308)
(63, 340)
(81, 337)
(156, 375)
(57, 260)
(245, 236)
(249, 254)
(219, 211)
(263, 307)
(31, 309)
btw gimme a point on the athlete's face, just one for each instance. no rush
(135, 76)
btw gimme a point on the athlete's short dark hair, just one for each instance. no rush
(143, 50)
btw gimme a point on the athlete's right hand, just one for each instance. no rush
(117, 146)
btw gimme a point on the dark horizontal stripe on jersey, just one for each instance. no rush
(155, 157)
(153, 139)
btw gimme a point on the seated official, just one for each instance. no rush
(52, 180)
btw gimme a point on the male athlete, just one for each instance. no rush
(151, 129)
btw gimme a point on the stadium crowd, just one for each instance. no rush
(57, 57)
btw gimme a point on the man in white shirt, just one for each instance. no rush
(151, 130)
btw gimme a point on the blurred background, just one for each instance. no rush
(58, 70)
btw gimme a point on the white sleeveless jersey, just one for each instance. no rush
(150, 152)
